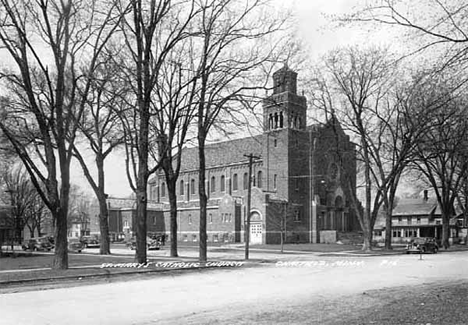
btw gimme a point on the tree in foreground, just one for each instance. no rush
(54, 46)
(441, 153)
(235, 40)
(150, 30)
(101, 131)
(354, 90)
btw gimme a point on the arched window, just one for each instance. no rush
(181, 188)
(192, 186)
(259, 179)
(234, 182)
(213, 184)
(275, 181)
(281, 120)
(222, 183)
(163, 189)
(246, 181)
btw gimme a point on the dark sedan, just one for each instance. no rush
(37, 244)
(90, 242)
(422, 245)
(151, 244)
(74, 245)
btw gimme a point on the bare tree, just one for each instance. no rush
(280, 216)
(78, 211)
(233, 42)
(20, 193)
(37, 216)
(441, 153)
(431, 24)
(151, 30)
(175, 96)
(54, 46)
(101, 128)
(354, 91)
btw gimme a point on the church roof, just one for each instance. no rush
(223, 153)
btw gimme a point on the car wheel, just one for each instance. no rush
(435, 250)
(423, 249)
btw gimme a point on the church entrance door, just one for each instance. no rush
(256, 233)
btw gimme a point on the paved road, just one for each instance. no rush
(241, 295)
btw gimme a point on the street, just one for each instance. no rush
(292, 288)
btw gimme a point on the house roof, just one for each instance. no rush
(418, 206)
(222, 153)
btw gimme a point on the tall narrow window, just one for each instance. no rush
(181, 189)
(213, 184)
(246, 181)
(190, 219)
(275, 178)
(192, 186)
(259, 179)
(234, 182)
(163, 189)
(222, 183)
(281, 120)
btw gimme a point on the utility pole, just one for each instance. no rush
(247, 217)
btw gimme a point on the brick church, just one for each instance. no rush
(300, 183)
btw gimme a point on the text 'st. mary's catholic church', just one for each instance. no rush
(303, 171)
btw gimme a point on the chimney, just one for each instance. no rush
(425, 195)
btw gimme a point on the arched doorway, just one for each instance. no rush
(339, 215)
(256, 228)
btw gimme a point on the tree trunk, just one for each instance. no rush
(445, 231)
(282, 241)
(61, 243)
(171, 188)
(141, 230)
(203, 197)
(388, 229)
(104, 247)
(367, 244)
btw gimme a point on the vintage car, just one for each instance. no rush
(74, 245)
(422, 245)
(90, 242)
(37, 244)
(151, 244)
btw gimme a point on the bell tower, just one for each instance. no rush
(284, 108)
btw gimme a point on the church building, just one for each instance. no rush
(300, 181)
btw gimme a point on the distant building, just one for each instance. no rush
(311, 168)
(7, 225)
(417, 217)
(122, 214)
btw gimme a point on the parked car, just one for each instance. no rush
(74, 245)
(37, 244)
(151, 244)
(422, 245)
(90, 242)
